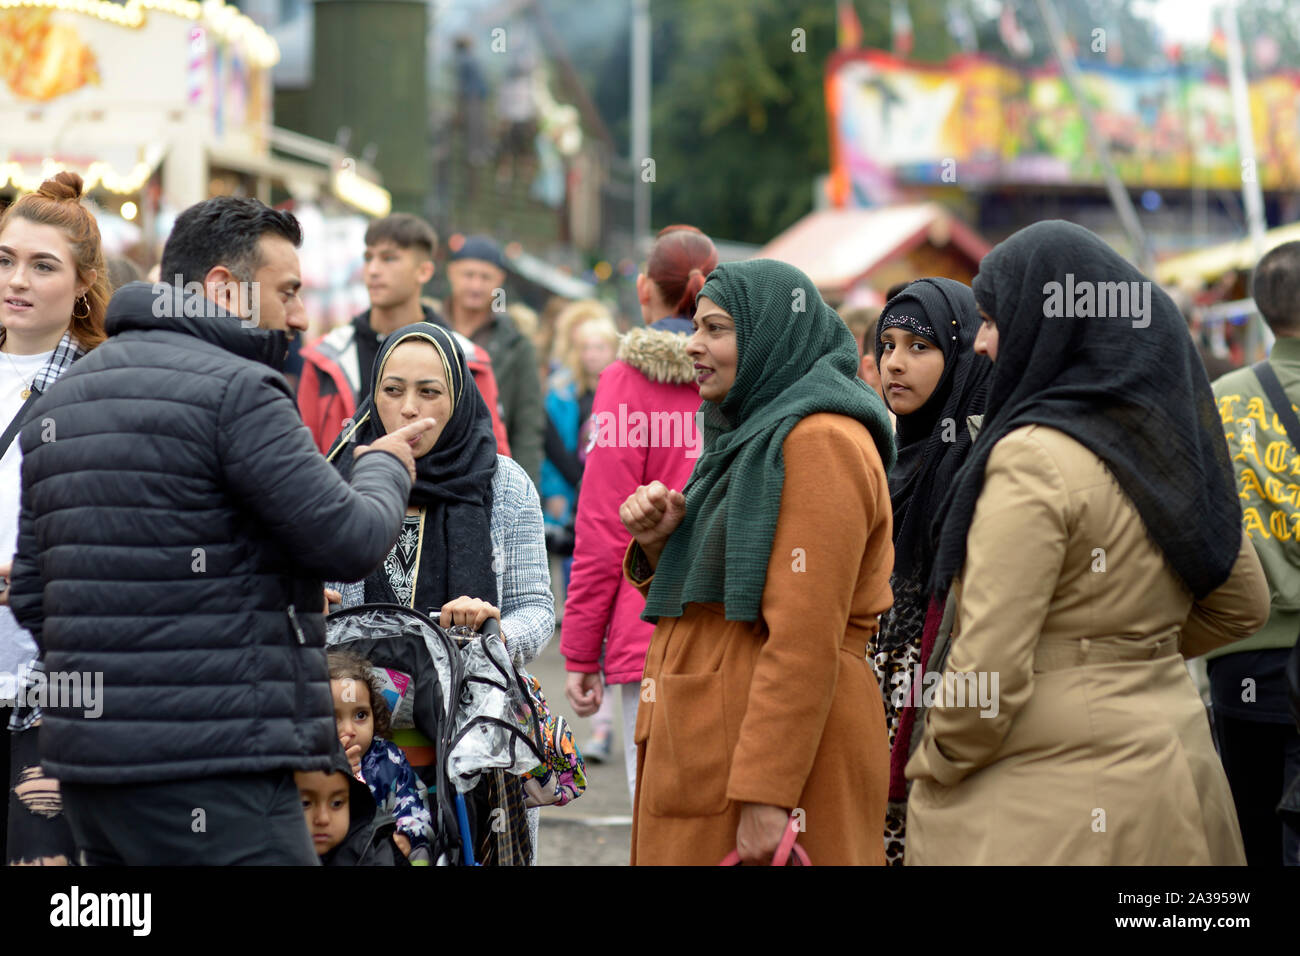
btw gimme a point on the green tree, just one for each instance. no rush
(739, 130)
(739, 127)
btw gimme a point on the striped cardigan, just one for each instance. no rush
(523, 576)
(519, 556)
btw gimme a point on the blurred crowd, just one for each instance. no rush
(918, 584)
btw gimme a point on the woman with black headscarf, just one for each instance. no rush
(472, 545)
(765, 576)
(1091, 542)
(934, 383)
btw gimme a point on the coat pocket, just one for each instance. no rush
(687, 756)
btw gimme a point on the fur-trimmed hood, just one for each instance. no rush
(659, 356)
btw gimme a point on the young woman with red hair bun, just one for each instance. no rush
(53, 295)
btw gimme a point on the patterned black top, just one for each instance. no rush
(400, 563)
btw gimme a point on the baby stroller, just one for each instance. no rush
(463, 715)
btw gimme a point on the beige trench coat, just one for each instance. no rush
(1100, 749)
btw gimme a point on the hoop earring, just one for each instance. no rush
(82, 301)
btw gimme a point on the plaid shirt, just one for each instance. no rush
(65, 353)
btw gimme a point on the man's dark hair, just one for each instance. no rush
(1275, 286)
(223, 232)
(896, 288)
(404, 231)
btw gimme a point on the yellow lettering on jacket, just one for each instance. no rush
(1226, 411)
(1275, 455)
(1249, 482)
(1268, 471)
(1255, 410)
(1250, 521)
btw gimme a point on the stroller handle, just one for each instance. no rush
(490, 626)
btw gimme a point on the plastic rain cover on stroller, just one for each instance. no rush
(463, 693)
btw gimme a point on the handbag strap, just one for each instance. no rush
(1277, 398)
(16, 423)
(786, 848)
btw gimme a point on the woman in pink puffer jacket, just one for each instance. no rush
(644, 429)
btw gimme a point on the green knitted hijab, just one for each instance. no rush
(796, 358)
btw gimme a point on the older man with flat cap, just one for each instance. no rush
(476, 271)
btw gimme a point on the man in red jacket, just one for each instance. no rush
(337, 367)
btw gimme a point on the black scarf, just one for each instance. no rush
(453, 483)
(933, 440)
(1133, 393)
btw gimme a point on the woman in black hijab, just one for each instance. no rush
(467, 550)
(934, 382)
(472, 545)
(1091, 541)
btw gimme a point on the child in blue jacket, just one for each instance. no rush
(362, 719)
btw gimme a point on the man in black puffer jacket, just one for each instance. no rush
(176, 524)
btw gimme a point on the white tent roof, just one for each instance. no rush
(836, 247)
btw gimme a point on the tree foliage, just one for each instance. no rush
(739, 129)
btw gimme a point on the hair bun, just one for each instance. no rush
(65, 185)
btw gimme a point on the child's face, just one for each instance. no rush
(911, 367)
(325, 805)
(352, 714)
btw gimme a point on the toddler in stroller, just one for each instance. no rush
(362, 717)
(468, 722)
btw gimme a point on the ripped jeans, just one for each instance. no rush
(39, 834)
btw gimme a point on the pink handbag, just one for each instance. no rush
(784, 850)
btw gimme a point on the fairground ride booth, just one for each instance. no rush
(854, 255)
(159, 104)
(1212, 287)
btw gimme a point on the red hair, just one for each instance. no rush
(680, 261)
(58, 203)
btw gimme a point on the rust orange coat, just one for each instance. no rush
(783, 711)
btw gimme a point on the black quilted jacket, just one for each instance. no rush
(177, 522)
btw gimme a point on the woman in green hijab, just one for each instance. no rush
(765, 576)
